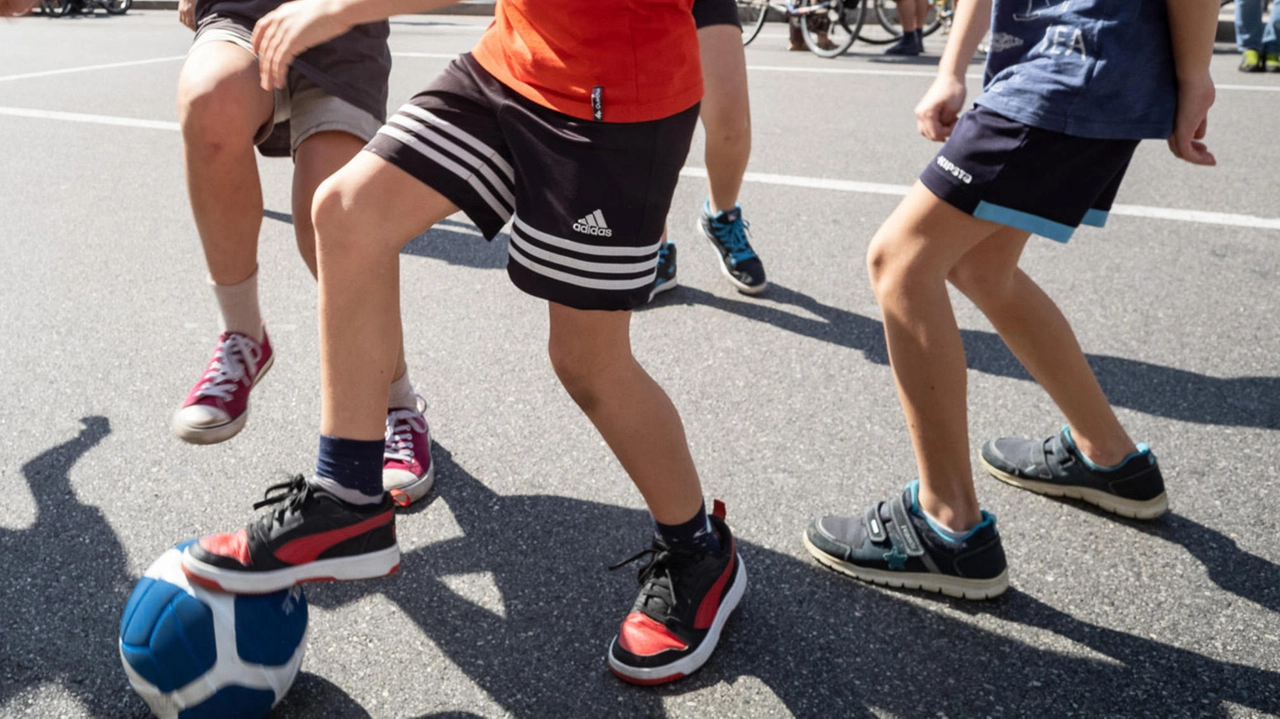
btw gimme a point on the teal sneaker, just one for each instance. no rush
(727, 233)
(1055, 467)
(666, 277)
(893, 544)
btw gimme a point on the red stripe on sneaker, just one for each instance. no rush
(643, 636)
(307, 549)
(232, 546)
(711, 600)
(717, 509)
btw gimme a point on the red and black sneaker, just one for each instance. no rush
(684, 601)
(312, 536)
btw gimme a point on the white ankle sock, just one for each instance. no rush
(401, 395)
(238, 304)
(346, 494)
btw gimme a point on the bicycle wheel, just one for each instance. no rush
(752, 14)
(829, 27)
(117, 7)
(56, 8)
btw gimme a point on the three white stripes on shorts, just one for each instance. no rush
(493, 180)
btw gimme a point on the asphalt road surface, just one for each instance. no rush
(504, 606)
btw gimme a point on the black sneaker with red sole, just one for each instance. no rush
(311, 536)
(685, 600)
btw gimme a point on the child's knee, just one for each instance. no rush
(887, 262)
(582, 374)
(334, 217)
(212, 113)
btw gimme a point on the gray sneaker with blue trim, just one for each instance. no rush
(894, 544)
(727, 233)
(1055, 467)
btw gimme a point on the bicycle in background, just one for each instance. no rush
(60, 8)
(829, 27)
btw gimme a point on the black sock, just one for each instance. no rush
(350, 469)
(695, 535)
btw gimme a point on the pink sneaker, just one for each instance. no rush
(407, 469)
(217, 407)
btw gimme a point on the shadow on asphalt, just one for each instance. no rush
(821, 643)
(66, 586)
(824, 645)
(1150, 388)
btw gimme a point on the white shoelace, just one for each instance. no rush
(401, 424)
(228, 368)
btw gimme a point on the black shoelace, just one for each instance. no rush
(655, 576)
(291, 495)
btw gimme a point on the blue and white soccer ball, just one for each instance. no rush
(192, 653)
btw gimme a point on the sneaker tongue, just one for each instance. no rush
(729, 217)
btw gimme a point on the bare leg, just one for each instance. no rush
(1037, 332)
(220, 108)
(591, 354)
(318, 157)
(364, 214)
(909, 260)
(910, 15)
(726, 113)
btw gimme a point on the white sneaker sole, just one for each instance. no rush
(744, 289)
(411, 491)
(670, 284)
(340, 569)
(959, 587)
(692, 663)
(1132, 508)
(219, 432)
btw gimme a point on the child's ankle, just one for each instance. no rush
(1102, 454)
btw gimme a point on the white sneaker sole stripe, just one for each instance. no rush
(1132, 508)
(958, 587)
(363, 566)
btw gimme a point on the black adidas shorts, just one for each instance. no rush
(1044, 182)
(587, 201)
(716, 12)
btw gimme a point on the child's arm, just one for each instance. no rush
(1192, 24)
(938, 109)
(292, 28)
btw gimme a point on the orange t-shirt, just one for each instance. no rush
(636, 60)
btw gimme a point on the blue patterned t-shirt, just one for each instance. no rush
(1088, 68)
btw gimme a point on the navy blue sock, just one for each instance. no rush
(695, 535)
(350, 469)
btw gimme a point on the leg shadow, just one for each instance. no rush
(1150, 388)
(68, 579)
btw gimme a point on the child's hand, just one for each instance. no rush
(14, 8)
(290, 30)
(938, 109)
(1195, 97)
(187, 13)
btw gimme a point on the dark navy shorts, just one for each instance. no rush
(1044, 182)
(587, 201)
(716, 12)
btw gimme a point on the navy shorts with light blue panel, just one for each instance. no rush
(1041, 181)
(1070, 89)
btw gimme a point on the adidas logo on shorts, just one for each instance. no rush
(593, 224)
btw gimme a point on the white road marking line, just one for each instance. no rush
(926, 73)
(874, 188)
(91, 119)
(436, 55)
(87, 68)
(816, 183)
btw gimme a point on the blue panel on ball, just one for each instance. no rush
(269, 627)
(167, 635)
(234, 701)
